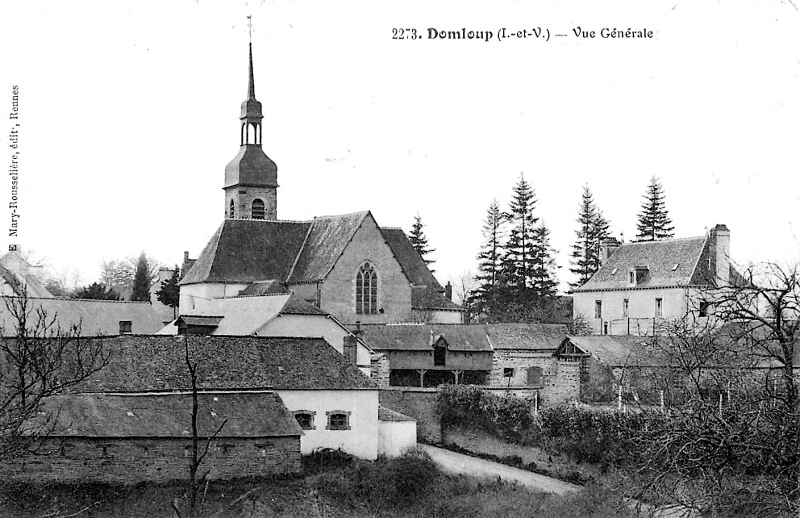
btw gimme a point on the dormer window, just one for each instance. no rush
(637, 275)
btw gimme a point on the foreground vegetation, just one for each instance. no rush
(333, 485)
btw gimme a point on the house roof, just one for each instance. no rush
(247, 250)
(146, 363)
(386, 414)
(526, 336)
(259, 414)
(243, 315)
(199, 320)
(324, 244)
(669, 263)
(16, 271)
(420, 337)
(270, 287)
(96, 317)
(616, 350)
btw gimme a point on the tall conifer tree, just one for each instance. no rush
(593, 228)
(654, 222)
(420, 241)
(141, 279)
(543, 280)
(490, 261)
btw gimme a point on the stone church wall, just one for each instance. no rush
(394, 291)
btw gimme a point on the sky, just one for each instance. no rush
(128, 114)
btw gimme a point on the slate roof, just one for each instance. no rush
(199, 320)
(244, 315)
(526, 336)
(96, 317)
(670, 263)
(326, 240)
(251, 167)
(247, 250)
(260, 414)
(388, 415)
(417, 337)
(15, 270)
(157, 363)
(618, 350)
(416, 270)
(270, 287)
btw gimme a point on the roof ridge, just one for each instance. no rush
(360, 212)
(82, 300)
(252, 295)
(673, 239)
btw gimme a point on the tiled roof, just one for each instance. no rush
(96, 317)
(141, 363)
(247, 250)
(417, 337)
(417, 271)
(257, 414)
(251, 167)
(296, 306)
(671, 262)
(324, 244)
(386, 414)
(618, 350)
(526, 336)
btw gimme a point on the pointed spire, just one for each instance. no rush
(251, 88)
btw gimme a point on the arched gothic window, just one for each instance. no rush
(230, 212)
(257, 211)
(366, 290)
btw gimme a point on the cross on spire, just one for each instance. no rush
(250, 26)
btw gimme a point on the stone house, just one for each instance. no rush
(269, 311)
(641, 284)
(137, 437)
(335, 404)
(346, 265)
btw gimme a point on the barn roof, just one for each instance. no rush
(255, 414)
(420, 337)
(616, 350)
(526, 336)
(139, 363)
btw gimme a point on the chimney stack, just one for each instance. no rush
(448, 291)
(350, 350)
(607, 247)
(721, 255)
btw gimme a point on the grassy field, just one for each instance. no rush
(332, 486)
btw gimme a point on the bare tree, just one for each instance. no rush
(38, 359)
(199, 452)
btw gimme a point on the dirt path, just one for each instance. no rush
(456, 463)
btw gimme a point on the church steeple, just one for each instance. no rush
(251, 178)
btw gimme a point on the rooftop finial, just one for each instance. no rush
(251, 86)
(250, 26)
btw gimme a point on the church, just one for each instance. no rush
(346, 265)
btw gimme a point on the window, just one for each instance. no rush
(257, 211)
(125, 327)
(535, 376)
(624, 308)
(305, 418)
(598, 309)
(366, 290)
(705, 308)
(338, 420)
(659, 307)
(230, 211)
(631, 277)
(508, 372)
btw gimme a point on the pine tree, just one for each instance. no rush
(543, 281)
(97, 291)
(419, 241)
(654, 222)
(593, 228)
(485, 297)
(169, 294)
(141, 279)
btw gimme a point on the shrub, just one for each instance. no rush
(324, 459)
(506, 416)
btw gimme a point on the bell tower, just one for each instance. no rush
(251, 178)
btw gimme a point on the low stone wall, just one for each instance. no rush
(419, 403)
(130, 461)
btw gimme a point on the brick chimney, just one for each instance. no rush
(721, 254)
(350, 349)
(607, 247)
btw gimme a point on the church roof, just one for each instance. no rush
(251, 167)
(254, 414)
(247, 250)
(326, 240)
(148, 363)
(417, 271)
